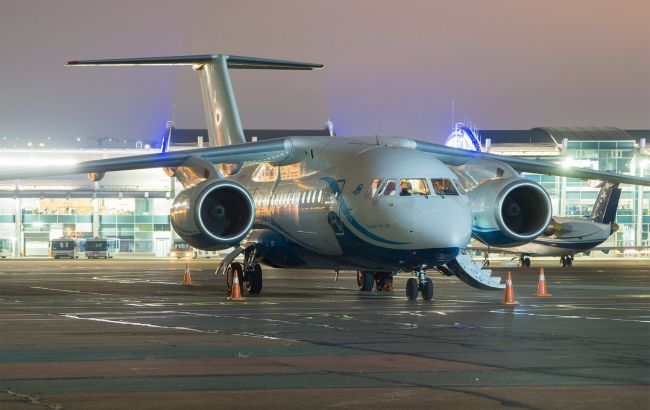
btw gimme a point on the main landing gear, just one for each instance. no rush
(566, 261)
(382, 281)
(524, 262)
(249, 274)
(422, 284)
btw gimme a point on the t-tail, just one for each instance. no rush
(219, 104)
(604, 210)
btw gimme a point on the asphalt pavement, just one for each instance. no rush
(126, 334)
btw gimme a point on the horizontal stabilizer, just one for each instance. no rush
(232, 61)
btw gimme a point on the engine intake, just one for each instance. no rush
(509, 211)
(213, 215)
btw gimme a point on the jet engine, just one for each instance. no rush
(509, 211)
(213, 215)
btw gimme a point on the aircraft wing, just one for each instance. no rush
(263, 151)
(457, 156)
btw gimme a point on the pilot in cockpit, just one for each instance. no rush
(405, 188)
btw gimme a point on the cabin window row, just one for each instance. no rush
(290, 198)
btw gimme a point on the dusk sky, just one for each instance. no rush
(391, 68)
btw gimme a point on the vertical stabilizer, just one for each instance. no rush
(219, 104)
(604, 210)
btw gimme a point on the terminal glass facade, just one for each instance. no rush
(576, 197)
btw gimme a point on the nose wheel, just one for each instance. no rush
(422, 285)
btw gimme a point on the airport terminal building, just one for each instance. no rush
(604, 149)
(129, 206)
(133, 206)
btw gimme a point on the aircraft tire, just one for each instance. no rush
(253, 280)
(527, 262)
(412, 289)
(367, 281)
(427, 289)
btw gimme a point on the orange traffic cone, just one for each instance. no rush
(510, 293)
(187, 279)
(235, 293)
(541, 286)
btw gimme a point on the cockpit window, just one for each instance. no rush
(459, 187)
(389, 189)
(375, 185)
(443, 186)
(413, 186)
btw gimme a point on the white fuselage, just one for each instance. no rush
(576, 235)
(322, 209)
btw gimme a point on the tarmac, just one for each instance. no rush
(123, 334)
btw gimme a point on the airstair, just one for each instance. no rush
(472, 273)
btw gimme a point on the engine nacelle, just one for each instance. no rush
(213, 215)
(509, 211)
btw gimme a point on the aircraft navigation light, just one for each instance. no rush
(567, 163)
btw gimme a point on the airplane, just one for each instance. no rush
(567, 236)
(376, 205)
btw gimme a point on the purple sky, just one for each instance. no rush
(391, 67)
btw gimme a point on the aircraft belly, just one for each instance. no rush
(549, 247)
(282, 251)
(539, 249)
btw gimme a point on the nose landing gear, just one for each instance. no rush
(422, 284)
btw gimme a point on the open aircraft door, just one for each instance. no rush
(335, 216)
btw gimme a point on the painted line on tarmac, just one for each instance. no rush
(505, 312)
(70, 291)
(181, 328)
(133, 281)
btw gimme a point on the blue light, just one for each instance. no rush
(464, 137)
(167, 136)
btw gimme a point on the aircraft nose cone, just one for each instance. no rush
(446, 224)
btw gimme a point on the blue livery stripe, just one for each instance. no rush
(346, 212)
